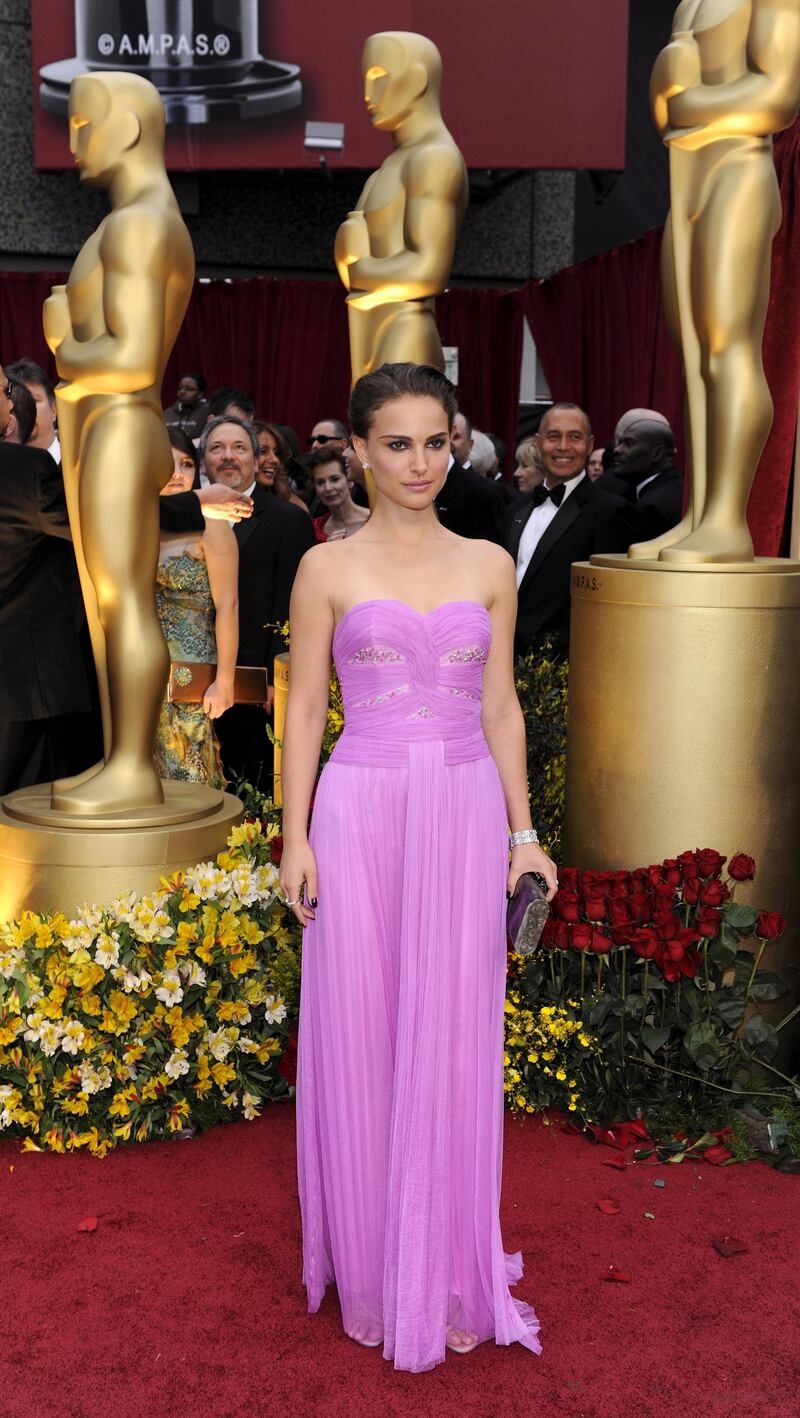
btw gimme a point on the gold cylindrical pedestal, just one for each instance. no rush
(683, 723)
(61, 869)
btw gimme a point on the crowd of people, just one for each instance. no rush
(225, 578)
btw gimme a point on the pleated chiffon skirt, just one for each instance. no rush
(400, 1073)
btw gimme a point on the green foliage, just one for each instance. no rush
(541, 681)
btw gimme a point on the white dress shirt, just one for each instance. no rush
(55, 450)
(537, 525)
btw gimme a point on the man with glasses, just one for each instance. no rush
(328, 433)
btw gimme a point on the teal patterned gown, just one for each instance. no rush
(186, 745)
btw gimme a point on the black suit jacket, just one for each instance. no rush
(470, 505)
(581, 527)
(41, 665)
(659, 507)
(271, 543)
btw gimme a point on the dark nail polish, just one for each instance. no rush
(314, 902)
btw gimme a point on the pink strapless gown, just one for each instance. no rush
(400, 1073)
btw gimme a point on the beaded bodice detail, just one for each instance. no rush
(408, 675)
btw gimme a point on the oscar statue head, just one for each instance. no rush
(111, 116)
(401, 71)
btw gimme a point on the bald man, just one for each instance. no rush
(644, 466)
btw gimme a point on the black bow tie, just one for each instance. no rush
(541, 494)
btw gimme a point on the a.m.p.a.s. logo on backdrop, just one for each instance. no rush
(203, 57)
(523, 82)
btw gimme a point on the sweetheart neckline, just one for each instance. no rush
(392, 601)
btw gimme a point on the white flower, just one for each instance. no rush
(243, 884)
(122, 908)
(219, 1045)
(150, 921)
(207, 880)
(274, 1009)
(94, 1080)
(73, 1037)
(49, 1037)
(131, 981)
(177, 1064)
(250, 1105)
(80, 936)
(170, 991)
(266, 882)
(107, 952)
(192, 972)
(245, 1045)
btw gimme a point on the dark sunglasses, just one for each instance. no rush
(321, 438)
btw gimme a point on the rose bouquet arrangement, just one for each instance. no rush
(151, 1016)
(668, 968)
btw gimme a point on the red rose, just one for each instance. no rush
(568, 878)
(645, 943)
(770, 925)
(619, 913)
(672, 970)
(601, 944)
(689, 866)
(624, 935)
(708, 922)
(580, 936)
(619, 886)
(595, 908)
(709, 861)
(713, 893)
(640, 907)
(742, 867)
(276, 850)
(691, 892)
(663, 895)
(666, 924)
(555, 935)
(567, 905)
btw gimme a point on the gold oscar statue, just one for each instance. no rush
(394, 254)
(728, 80)
(682, 660)
(111, 329)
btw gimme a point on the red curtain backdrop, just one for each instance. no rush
(286, 343)
(603, 341)
(601, 335)
(486, 325)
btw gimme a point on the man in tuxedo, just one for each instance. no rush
(644, 464)
(565, 519)
(270, 547)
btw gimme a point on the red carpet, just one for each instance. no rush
(186, 1301)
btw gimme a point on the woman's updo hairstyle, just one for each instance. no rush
(398, 381)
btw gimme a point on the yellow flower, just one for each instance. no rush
(250, 932)
(79, 1105)
(571, 1108)
(123, 1130)
(240, 964)
(561, 1075)
(176, 1115)
(223, 1073)
(520, 1100)
(233, 1011)
(267, 1049)
(187, 932)
(123, 1006)
(244, 832)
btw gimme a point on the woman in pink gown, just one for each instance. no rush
(401, 887)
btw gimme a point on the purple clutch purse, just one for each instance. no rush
(527, 912)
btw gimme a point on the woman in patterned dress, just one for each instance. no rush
(198, 606)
